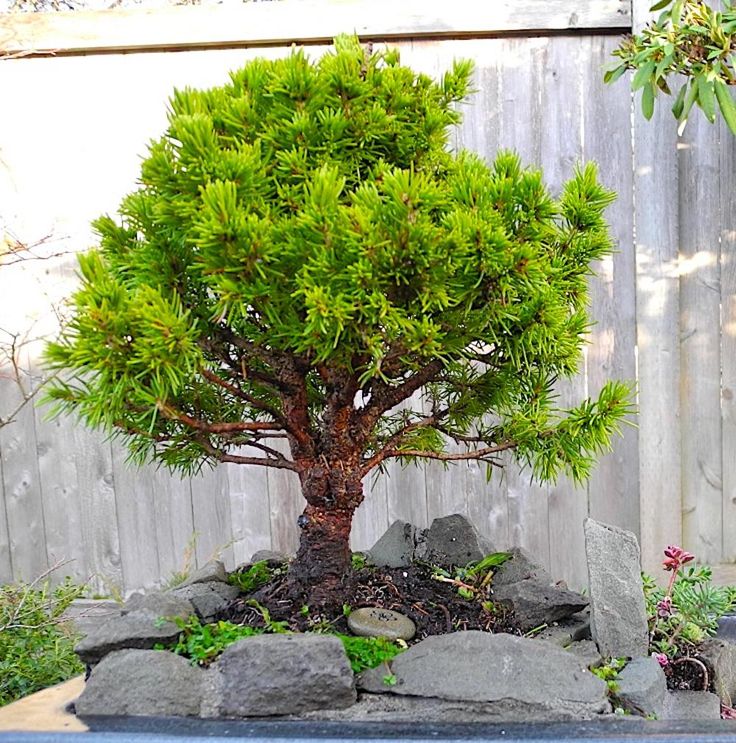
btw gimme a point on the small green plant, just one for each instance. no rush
(202, 643)
(687, 611)
(390, 679)
(36, 644)
(474, 580)
(255, 576)
(358, 560)
(609, 672)
(369, 652)
(179, 576)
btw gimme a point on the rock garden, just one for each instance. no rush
(429, 636)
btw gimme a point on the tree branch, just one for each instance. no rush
(218, 428)
(221, 456)
(476, 454)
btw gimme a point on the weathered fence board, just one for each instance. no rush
(727, 174)
(656, 183)
(700, 308)
(66, 492)
(307, 21)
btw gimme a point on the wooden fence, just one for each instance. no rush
(84, 92)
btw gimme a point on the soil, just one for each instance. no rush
(435, 607)
(689, 673)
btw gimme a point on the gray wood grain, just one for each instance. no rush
(614, 486)
(727, 174)
(212, 519)
(700, 308)
(249, 509)
(307, 21)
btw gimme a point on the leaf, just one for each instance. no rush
(706, 98)
(679, 104)
(658, 6)
(647, 101)
(614, 74)
(726, 104)
(642, 76)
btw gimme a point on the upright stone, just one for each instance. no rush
(642, 687)
(452, 540)
(617, 609)
(395, 549)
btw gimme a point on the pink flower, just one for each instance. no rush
(676, 558)
(661, 658)
(664, 608)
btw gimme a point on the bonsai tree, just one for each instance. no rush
(690, 39)
(305, 261)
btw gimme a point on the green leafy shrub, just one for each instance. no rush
(204, 643)
(36, 645)
(369, 652)
(690, 39)
(685, 613)
(255, 576)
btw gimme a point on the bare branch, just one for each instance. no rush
(221, 456)
(217, 428)
(476, 454)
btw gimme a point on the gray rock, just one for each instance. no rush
(88, 614)
(392, 708)
(519, 567)
(142, 682)
(158, 604)
(139, 630)
(212, 570)
(720, 657)
(642, 687)
(567, 631)
(395, 549)
(452, 540)
(536, 602)
(268, 556)
(727, 628)
(279, 675)
(207, 598)
(691, 705)
(372, 621)
(482, 667)
(587, 652)
(617, 608)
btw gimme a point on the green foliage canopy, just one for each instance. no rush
(303, 243)
(690, 39)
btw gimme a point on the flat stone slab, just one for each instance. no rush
(142, 682)
(720, 656)
(138, 630)
(212, 570)
(372, 621)
(482, 667)
(207, 598)
(520, 566)
(158, 604)
(536, 602)
(691, 705)
(617, 608)
(279, 675)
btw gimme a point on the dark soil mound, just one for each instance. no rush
(434, 606)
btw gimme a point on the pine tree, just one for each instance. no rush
(304, 258)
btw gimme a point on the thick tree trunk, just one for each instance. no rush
(323, 561)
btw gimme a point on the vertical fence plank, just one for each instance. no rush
(371, 518)
(561, 150)
(249, 509)
(700, 300)
(135, 493)
(6, 564)
(286, 504)
(657, 317)
(727, 177)
(24, 503)
(172, 510)
(613, 491)
(211, 512)
(520, 68)
(98, 510)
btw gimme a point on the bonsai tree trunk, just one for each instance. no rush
(333, 489)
